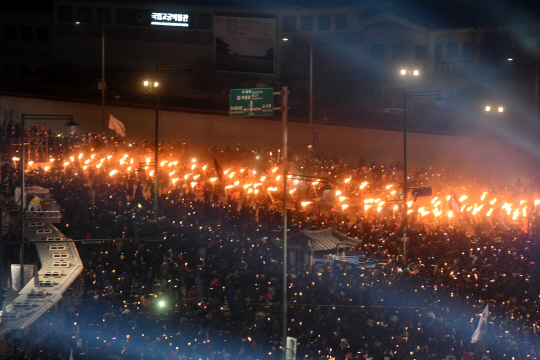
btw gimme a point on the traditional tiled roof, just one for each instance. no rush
(320, 240)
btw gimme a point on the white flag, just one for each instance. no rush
(481, 325)
(116, 125)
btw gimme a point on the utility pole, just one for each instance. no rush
(406, 95)
(156, 156)
(103, 83)
(536, 99)
(405, 217)
(284, 126)
(311, 87)
(23, 168)
(157, 84)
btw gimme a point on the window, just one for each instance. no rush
(468, 49)
(42, 34)
(84, 14)
(10, 32)
(103, 13)
(65, 13)
(341, 21)
(306, 23)
(289, 24)
(451, 50)
(27, 33)
(438, 51)
(377, 51)
(324, 22)
(123, 17)
(420, 52)
(398, 52)
(204, 21)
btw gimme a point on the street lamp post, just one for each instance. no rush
(310, 84)
(499, 109)
(103, 83)
(407, 95)
(284, 127)
(156, 155)
(409, 72)
(536, 125)
(155, 85)
(536, 91)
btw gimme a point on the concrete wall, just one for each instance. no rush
(485, 159)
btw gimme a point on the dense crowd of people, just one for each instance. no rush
(204, 281)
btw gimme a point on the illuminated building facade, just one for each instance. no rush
(371, 58)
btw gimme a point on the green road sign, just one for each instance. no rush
(251, 102)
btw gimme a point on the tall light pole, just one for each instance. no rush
(155, 85)
(156, 155)
(536, 90)
(284, 127)
(536, 99)
(310, 85)
(499, 109)
(103, 83)
(407, 95)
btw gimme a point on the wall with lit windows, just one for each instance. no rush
(355, 54)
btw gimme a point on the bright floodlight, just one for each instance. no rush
(403, 72)
(488, 108)
(510, 59)
(285, 39)
(161, 303)
(156, 84)
(146, 82)
(416, 72)
(500, 109)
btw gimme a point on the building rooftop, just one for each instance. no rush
(321, 240)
